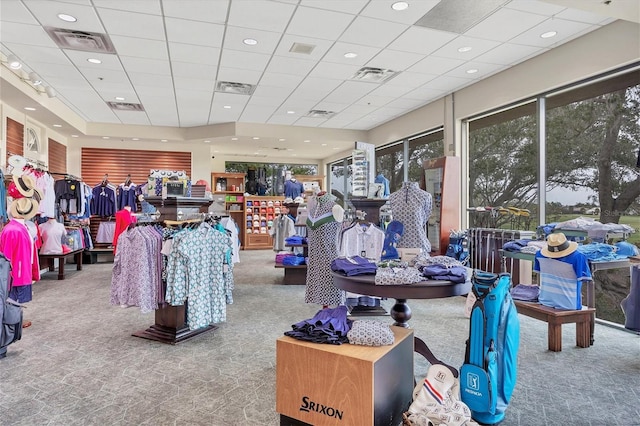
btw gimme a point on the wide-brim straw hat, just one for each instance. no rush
(25, 184)
(24, 208)
(558, 246)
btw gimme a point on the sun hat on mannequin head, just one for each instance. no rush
(25, 185)
(24, 208)
(558, 246)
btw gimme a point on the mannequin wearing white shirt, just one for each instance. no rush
(52, 235)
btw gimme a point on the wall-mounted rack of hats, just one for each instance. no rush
(259, 214)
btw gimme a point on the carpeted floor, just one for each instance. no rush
(79, 365)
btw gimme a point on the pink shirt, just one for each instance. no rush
(18, 247)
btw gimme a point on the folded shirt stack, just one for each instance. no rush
(328, 325)
(355, 265)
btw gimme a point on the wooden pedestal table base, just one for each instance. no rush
(171, 326)
(401, 312)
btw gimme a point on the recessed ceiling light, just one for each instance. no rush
(335, 148)
(464, 49)
(215, 150)
(57, 125)
(14, 62)
(255, 138)
(289, 149)
(74, 136)
(294, 155)
(94, 61)
(281, 139)
(30, 108)
(119, 98)
(548, 34)
(256, 153)
(250, 41)
(135, 139)
(234, 139)
(227, 107)
(324, 144)
(350, 55)
(306, 141)
(291, 112)
(207, 141)
(472, 71)
(400, 5)
(163, 140)
(67, 18)
(105, 137)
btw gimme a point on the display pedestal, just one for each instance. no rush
(321, 384)
(171, 326)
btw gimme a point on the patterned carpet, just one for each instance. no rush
(79, 365)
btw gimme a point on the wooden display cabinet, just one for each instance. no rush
(231, 186)
(441, 178)
(259, 214)
(310, 182)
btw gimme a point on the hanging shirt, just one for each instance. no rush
(17, 245)
(103, 201)
(124, 218)
(293, 188)
(362, 240)
(127, 196)
(283, 228)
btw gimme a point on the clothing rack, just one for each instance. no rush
(66, 175)
(31, 161)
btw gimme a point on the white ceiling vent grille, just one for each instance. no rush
(81, 40)
(302, 48)
(235, 88)
(318, 113)
(374, 75)
(125, 106)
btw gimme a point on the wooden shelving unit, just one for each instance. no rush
(295, 274)
(231, 186)
(441, 178)
(309, 182)
(259, 214)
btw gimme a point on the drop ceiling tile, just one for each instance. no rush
(582, 16)
(483, 70)
(351, 6)
(74, 81)
(505, 24)
(309, 121)
(285, 81)
(566, 31)
(409, 79)
(119, 22)
(38, 54)
(300, 105)
(447, 84)
(372, 32)
(150, 80)
(151, 7)
(140, 47)
(56, 70)
(535, 6)
(260, 14)
(194, 54)
(331, 106)
(286, 119)
(197, 10)
(317, 23)
(256, 114)
(276, 93)
(288, 65)
(165, 118)
(110, 95)
(421, 40)
(221, 115)
(133, 117)
(349, 91)
(334, 71)
(25, 34)
(194, 32)
(145, 65)
(508, 54)
(425, 93)
(191, 83)
(238, 75)
(198, 71)
(267, 40)
(381, 9)
(391, 91)
(46, 12)
(478, 47)
(236, 101)
(80, 59)
(406, 104)
(155, 102)
(394, 59)
(273, 102)
(15, 11)
(154, 93)
(373, 101)
(246, 60)
(337, 52)
(320, 47)
(435, 65)
(348, 116)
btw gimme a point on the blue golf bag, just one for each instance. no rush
(488, 375)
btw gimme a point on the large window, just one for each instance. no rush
(270, 176)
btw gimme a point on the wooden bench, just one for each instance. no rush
(584, 319)
(76, 254)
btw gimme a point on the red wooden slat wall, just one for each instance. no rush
(15, 138)
(57, 157)
(117, 163)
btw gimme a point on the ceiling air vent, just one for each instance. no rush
(125, 106)
(374, 75)
(302, 48)
(81, 40)
(318, 113)
(235, 88)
